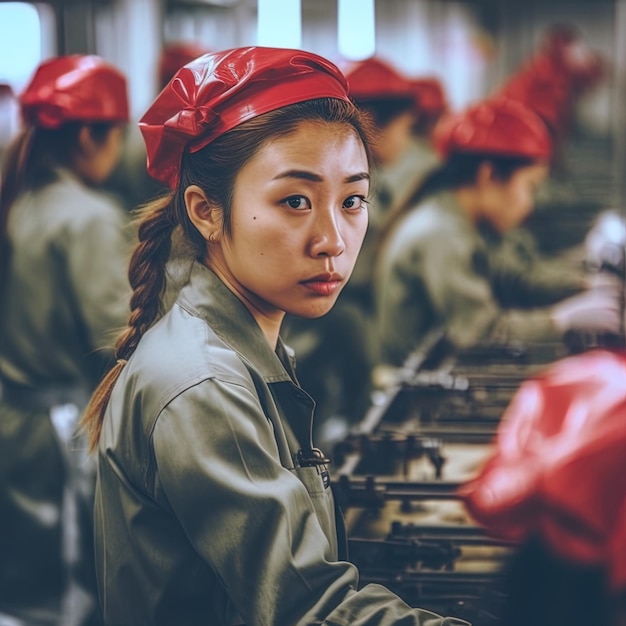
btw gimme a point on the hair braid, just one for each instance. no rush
(147, 278)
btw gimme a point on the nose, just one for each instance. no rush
(326, 238)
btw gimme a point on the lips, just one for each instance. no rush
(323, 284)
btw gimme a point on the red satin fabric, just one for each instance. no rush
(495, 127)
(218, 91)
(75, 88)
(559, 469)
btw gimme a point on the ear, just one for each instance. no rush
(205, 215)
(86, 144)
(484, 175)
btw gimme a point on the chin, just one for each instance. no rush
(312, 313)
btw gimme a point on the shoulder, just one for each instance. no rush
(82, 207)
(179, 352)
(432, 226)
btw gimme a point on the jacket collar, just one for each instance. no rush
(206, 296)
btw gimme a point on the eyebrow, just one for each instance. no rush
(316, 178)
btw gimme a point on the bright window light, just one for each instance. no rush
(356, 29)
(20, 43)
(279, 23)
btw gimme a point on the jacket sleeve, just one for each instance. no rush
(457, 280)
(523, 277)
(253, 520)
(97, 261)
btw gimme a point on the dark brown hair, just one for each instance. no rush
(214, 169)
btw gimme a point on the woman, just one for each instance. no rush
(212, 505)
(434, 268)
(63, 288)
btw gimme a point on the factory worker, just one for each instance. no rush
(407, 173)
(213, 505)
(64, 292)
(434, 266)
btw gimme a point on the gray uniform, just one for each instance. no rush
(66, 292)
(436, 269)
(205, 511)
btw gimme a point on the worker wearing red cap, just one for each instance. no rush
(64, 286)
(554, 487)
(435, 265)
(420, 158)
(213, 505)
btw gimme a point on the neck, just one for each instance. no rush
(268, 318)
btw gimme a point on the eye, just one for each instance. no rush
(299, 203)
(355, 203)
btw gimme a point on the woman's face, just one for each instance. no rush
(298, 221)
(506, 204)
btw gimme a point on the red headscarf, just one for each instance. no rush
(75, 88)
(218, 91)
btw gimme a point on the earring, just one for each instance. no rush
(212, 238)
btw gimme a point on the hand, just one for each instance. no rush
(594, 310)
(605, 280)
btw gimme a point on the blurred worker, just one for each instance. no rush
(435, 270)
(552, 80)
(551, 83)
(336, 353)
(555, 487)
(64, 290)
(407, 173)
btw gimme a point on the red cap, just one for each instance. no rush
(373, 79)
(213, 94)
(430, 97)
(559, 465)
(498, 127)
(544, 90)
(174, 56)
(75, 88)
(549, 81)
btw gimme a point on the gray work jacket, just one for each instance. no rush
(435, 270)
(204, 513)
(67, 288)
